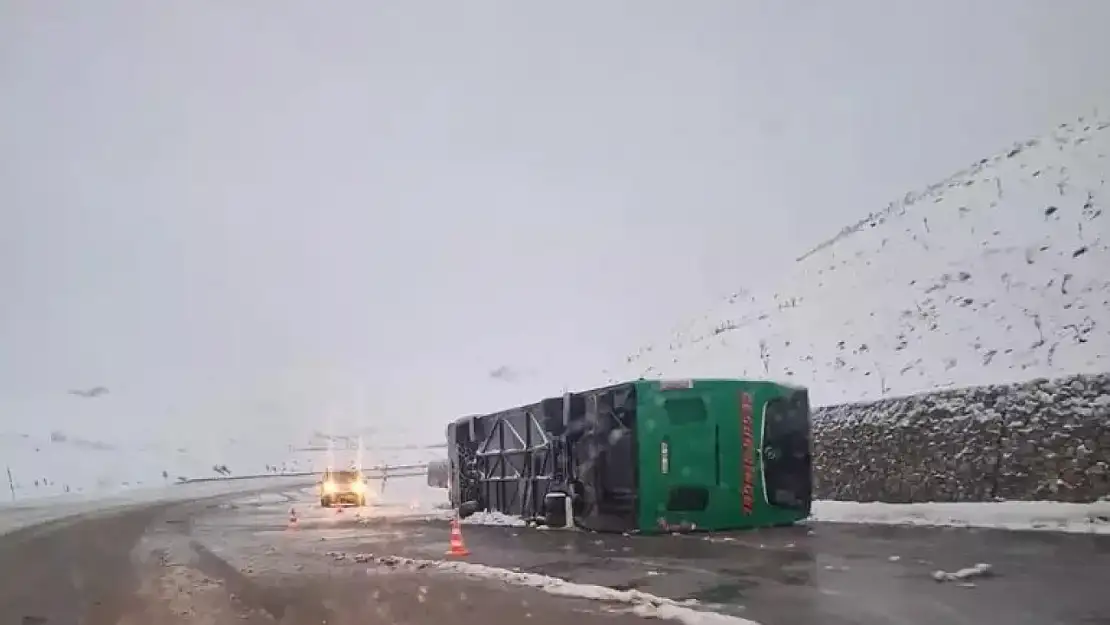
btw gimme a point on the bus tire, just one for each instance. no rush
(467, 508)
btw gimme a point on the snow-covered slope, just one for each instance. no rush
(63, 464)
(997, 274)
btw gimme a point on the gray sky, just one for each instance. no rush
(275, 214)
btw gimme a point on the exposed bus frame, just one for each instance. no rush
(586, 447)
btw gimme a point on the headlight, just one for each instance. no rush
(358, 487)
(329, 487)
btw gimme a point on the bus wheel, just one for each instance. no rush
(467, 508)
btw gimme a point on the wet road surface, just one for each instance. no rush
(824, 573)
(238, 560)
(831, 573)
(157, 565)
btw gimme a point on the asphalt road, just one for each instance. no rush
(239, 561)
(197, 563)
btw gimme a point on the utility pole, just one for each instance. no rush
(11, 482)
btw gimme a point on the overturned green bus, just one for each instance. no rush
(647, 456)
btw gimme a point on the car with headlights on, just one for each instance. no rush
(342, 487)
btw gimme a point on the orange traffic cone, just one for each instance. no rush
(458, 548)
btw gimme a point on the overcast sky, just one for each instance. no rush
(272, 214)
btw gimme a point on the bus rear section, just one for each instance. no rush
(722, 454)
(787, 452)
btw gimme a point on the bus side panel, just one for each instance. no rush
(688, 456)
(700, 457)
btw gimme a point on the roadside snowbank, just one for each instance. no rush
(1050, 516)
(498, 519)
(641, 603)
(1090, 518)
(638, 602)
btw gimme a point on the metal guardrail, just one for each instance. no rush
(373, 473)
(352, 447)
(232, 478)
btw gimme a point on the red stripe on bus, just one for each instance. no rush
(747, 439)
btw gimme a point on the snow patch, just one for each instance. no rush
(640, 603)
(1091, 518)
(267, 498)
(407, 499)
(493, 518)
(25, 514)
(979, 570)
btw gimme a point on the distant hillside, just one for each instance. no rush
(62, 464)
(997, 274)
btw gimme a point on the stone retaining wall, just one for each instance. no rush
(1038, 440)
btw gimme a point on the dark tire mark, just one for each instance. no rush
(274, 602)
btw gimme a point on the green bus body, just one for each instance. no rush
(648, 456)
(702, 461)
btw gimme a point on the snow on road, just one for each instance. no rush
(1092, 518)
(17, 515)
(403, 499)
(488, 517)
(981, 569)
(640, 603)
(852, 573)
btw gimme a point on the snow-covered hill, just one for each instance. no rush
(1000, 273)
(64, 464)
